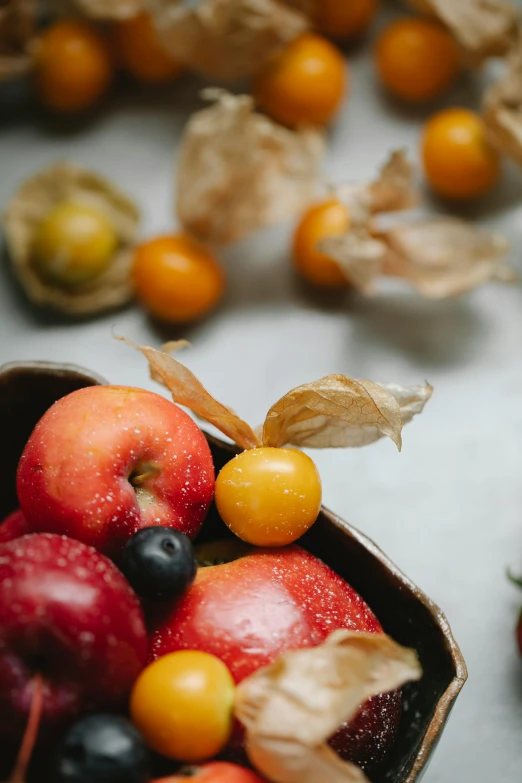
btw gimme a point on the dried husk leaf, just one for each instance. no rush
(393, 190)
(291, 708)
(445, 256)
(239, 171)
(440, 257)
(226, 39)
(482, 28)
(503, 108)
(186, 390)
(340, 412)
(335, 411)
(16, 38)
(359, 255)
(100, 9)
(29, 206)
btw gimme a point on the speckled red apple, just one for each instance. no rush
(13, 526)
(214, 772)
(105, 461)
(68, 614)
(249, 611)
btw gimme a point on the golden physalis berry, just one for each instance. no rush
(343, 19)
(140, 52)
(459, 162)
(417, 59)
(328, 219)
(73, 67)
(182, 705)
(269, 496)
(176, 278)
(74, 243)
(305, 83)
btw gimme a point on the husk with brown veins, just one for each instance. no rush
(226, 39)
(239, 171)
(503, 107)
(30, 205)
(291, 707)
(439, 256)
(394, 190)
(482, 28)
(17, 24)
(332, 412)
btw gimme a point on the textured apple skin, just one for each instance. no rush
(216, 772)
(250, 611)
(13, 526)
(69, 614)
(73, 476)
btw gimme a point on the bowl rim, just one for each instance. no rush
(54, 368)
(447, 700)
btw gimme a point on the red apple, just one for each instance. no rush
(13, 526)
(249, 611)
(215, 772)
(67, 613)
(105, 461)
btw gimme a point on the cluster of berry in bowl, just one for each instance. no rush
(121, 642)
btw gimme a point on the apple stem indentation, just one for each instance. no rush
(143, 473)
(31, 732)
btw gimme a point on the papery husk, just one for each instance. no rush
(394, 189)
(100, 9)
(359, 255)
(239, 171)
(226, 39)
(291, 708)
(445, 256)
(186, 390)
(17, 43)
(482, 28)
(30, 205)
(340, 412)
(335, 411)
(440, 257)
(503, 108)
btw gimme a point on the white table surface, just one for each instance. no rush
(448, 509)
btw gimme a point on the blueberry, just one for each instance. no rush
(159, 563)
(103, 749)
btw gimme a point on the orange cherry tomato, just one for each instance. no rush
(305, 83)
(140, 52)
(73, 67)
(269, 496)
(176, 278)
(327, 219)
(182, 704)
(344, 19)
(459, 162)
(417, 59)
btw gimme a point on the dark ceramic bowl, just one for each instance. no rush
(409, 616)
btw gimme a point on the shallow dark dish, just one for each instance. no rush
(407, 614)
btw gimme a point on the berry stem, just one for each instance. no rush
(31, 732)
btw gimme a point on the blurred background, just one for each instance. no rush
(447, 509)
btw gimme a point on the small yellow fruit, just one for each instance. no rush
(269, 496)
(74, 243)
(182, 705)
